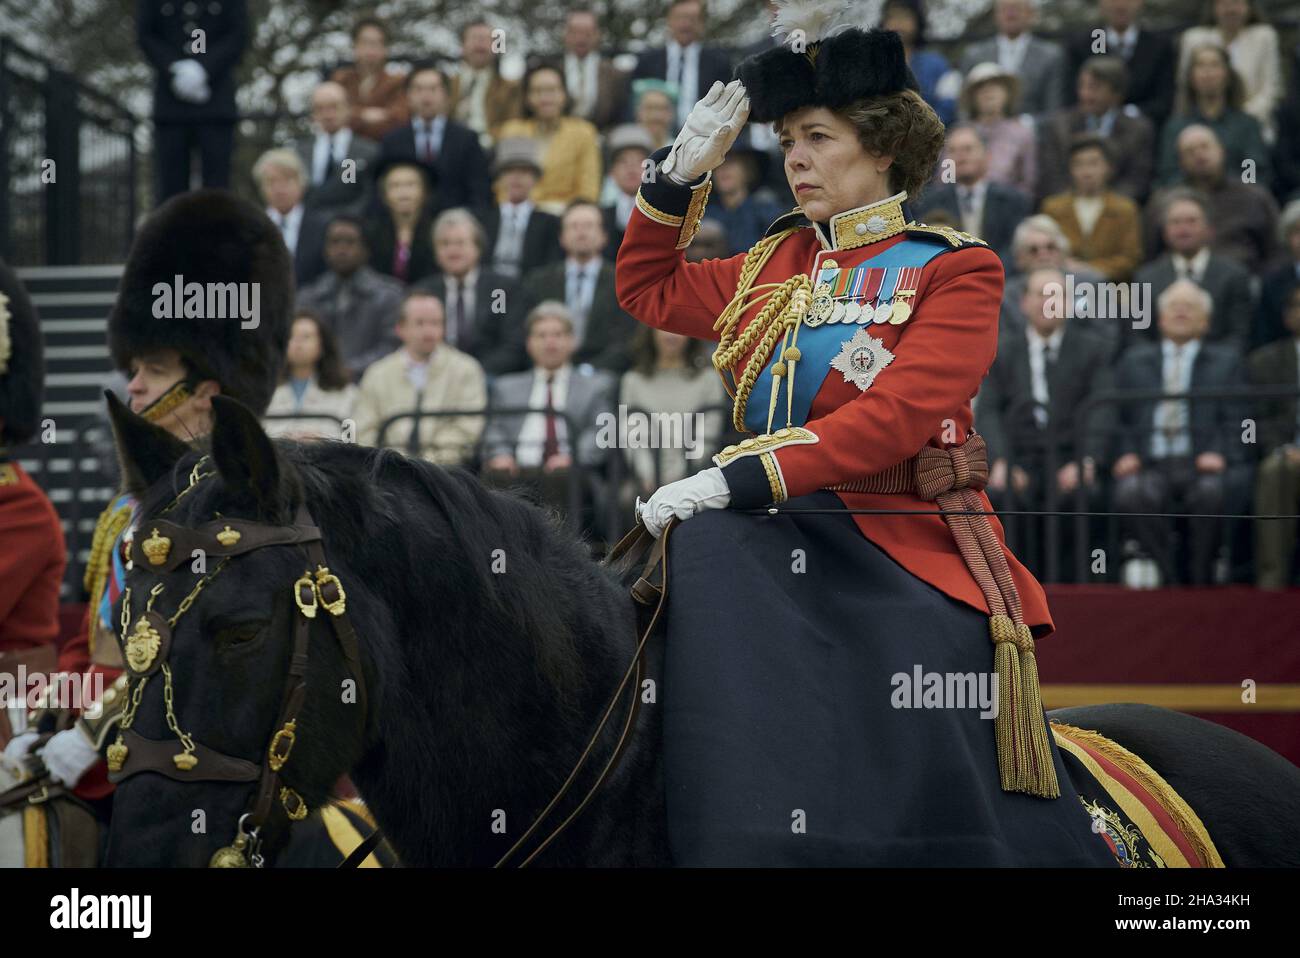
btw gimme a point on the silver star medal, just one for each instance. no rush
(861, 358)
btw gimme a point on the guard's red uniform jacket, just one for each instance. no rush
(32, 559)
(919, 393)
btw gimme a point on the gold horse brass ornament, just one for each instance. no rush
(156, 548)
(142, 645)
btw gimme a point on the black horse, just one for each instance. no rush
(491, 644)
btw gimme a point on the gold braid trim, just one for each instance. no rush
(785, 306)
(99, 565)
(167, 402)
(36, 837)
(1188, 822)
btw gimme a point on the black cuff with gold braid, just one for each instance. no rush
(672, 204)
(103, 716)
(754, 481)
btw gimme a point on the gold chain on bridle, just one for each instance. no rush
(779, 319)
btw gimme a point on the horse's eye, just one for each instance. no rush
(239, 634)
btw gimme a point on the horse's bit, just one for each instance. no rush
(146, 645)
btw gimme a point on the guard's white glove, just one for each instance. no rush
(69, 755)
(190, 81)
(684, 498)
(711, 127)
(16, 751)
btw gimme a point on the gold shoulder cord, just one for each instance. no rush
(778, 319)
(99, 563)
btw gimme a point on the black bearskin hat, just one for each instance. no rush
(836, 65)
(22, 362)
(215, 239)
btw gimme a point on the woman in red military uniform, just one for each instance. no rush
(818, 663)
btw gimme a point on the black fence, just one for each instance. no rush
(67, 166)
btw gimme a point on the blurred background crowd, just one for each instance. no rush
(454, 217)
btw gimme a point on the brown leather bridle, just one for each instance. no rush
(227, 538)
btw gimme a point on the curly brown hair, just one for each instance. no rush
(904, 126)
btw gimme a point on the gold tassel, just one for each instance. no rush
(1007, 665)
(1039, 772)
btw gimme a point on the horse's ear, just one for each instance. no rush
(244, 455)
(146, 452)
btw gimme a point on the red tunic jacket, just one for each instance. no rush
(32, 558)
(922, 397)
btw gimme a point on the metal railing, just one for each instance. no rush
(68, 166)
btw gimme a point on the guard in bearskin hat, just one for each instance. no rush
(33, 555)
(204, 308)
(809, 649)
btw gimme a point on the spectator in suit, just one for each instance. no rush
(986, 209)
(281, 179)
(1028, 410)
(426, 375)
(629, 147)
(194, 89)
(313, 383)
(1101, 225)
(684, 61)
(375, 94)
(671, 374)
(478, 303)
(1244, 215)
(448, 151)
(655, 109)
(537, 449)
(357, 304)
(584, 282)
(1038, 63)
(1252, 45)
(481, 98)
(599, 89)
(1178, 455)
(1012, 146)
(333, 187)
(1277, 487)
(939, 83)
(1100, 110)
(1210, 94)
(1187, 235)
(1275, 290)
(520, 236)
(398, 236)
(570, 147)
(1148, 56)
(744, 213)
(1038, 243)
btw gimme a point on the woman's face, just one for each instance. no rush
(655, 111)
(304, 343)
(828, 169)
(403, 190)
(546, 94)
(369, 50)
(669, 345)
(903, 22)
(1231, 15)
(1209, 73)
(991, 99)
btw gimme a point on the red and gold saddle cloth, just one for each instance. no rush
(1135, 811)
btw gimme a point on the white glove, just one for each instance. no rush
(684, 498)
(16, 751)
(69, 755)
(711, 127)
(190, 81)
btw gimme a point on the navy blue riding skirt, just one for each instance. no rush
(784, 742)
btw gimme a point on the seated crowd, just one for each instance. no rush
(454, 234)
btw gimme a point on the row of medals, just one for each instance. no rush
(825, 308)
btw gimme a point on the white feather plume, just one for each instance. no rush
(817, 19)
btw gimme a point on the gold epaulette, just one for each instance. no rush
(954, 237)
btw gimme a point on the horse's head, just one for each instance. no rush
(246, 697)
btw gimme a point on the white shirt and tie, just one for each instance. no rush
(1011, 53)
(328, 153)
(1171, 437)
(581, 76)
(508, 255)
(428, 137)
(1192, 267)
(970, 202)
(1122, 44)
(1041, 353)
(460, 303)
(684, 72)
(289, 223)
(579, 291)
(532, 433)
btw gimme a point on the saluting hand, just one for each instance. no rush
(710, 129)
